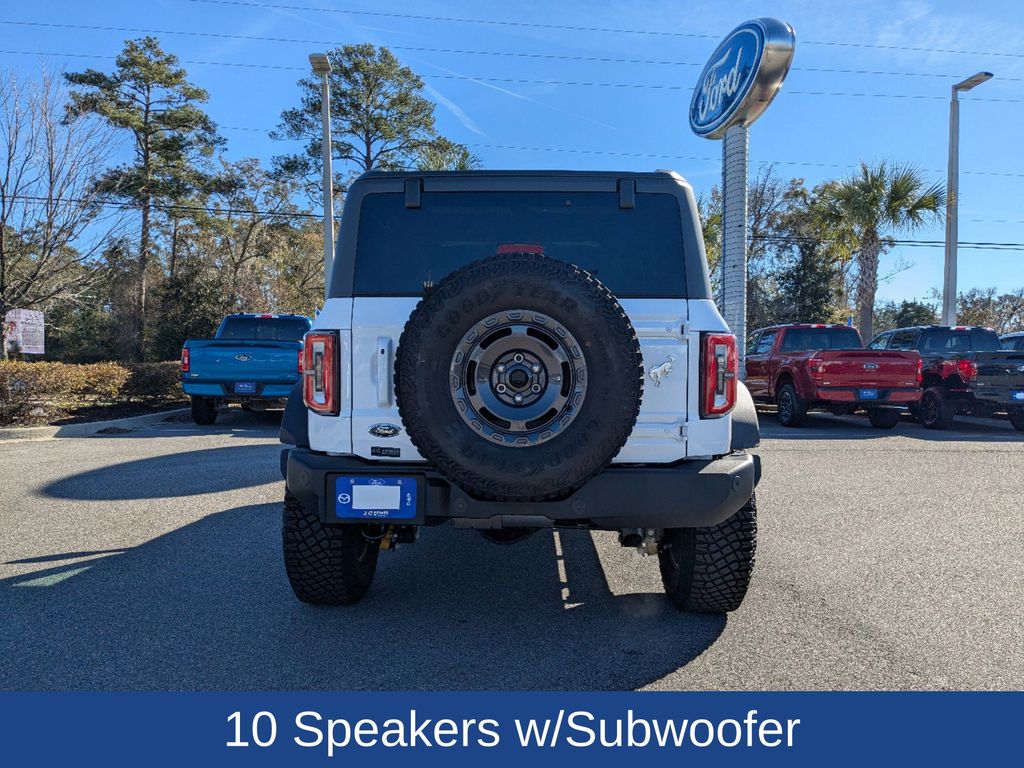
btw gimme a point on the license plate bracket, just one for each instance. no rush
(378, 498)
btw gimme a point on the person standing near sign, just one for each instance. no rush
(14, 342)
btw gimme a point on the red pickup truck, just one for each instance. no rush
(825, 366)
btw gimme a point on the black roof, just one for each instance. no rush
(658, 174)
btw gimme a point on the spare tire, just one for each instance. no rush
(519, 377)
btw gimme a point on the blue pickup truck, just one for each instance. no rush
(254, 360)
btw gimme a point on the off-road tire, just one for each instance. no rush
(792, 410)
(883, 418)
(708, 570)
(936, 412)
(326, 564)
(1017, 418)
(204, 410)
(567, 296)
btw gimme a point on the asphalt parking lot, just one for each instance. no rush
(150, 560)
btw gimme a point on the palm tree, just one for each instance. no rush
(875, 204)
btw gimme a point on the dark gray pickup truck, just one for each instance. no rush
(965, 371)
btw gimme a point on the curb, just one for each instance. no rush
(87, 428)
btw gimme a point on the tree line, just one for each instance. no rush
(123, 218)
(814, 254)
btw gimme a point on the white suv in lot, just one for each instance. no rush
(512, 351)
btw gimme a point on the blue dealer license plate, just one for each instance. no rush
(375, 498)
(245, 388)
(1018, 396)
(868, 394)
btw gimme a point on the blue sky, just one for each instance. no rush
(902, 54)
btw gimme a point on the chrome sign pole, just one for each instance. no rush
(738, 83)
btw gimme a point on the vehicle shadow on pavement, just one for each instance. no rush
(207, 606)
(822, 426)
(189, 473)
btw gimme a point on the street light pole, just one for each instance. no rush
(952, 193)
(322, 66)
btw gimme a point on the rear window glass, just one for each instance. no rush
(636, 252)
(820, 338)
(264, 328)
(941, 341)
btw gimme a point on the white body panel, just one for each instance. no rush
(668, 428)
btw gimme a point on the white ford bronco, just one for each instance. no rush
(513, 351)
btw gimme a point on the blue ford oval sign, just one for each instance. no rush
(742, 76)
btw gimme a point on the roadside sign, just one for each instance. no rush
(24, 332)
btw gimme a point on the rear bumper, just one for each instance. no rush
(886, 395)
(1001, 396)
(681, 495)
(225, 389)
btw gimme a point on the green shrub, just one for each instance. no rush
(39, 392)
(153, 382)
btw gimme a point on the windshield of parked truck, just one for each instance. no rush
(944, 341)
(264, 328)
(800, 339)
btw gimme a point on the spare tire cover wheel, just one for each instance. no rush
(519, 377)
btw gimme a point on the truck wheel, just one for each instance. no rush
(519, 377)
(326, 564)
(792, 410)
(883, 418)
(936, 410)
(204, 410)
(707, 570)
(1017, 418)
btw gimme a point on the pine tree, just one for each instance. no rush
(149, 97)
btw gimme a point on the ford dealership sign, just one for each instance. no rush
(742, 76)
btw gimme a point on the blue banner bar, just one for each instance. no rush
(229, 729)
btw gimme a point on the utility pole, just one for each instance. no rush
(322, 66)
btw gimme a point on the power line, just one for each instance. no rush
(644, 155)
(549, 149)
(977, 245)
(529, 81)
(458, 51)
(125, 206)
(577, 28)
(659, 156)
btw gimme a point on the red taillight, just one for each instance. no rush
(920, 372)
(968, 369)
(320, 372)
(302, 353)
(720, 369)
(184, 360)
(816, 369)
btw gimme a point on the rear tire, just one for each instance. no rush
(204, 410)
(883, 418)
(792, 410)
(326, 564)
(936, 410)
(1017, 419)
(707, 570)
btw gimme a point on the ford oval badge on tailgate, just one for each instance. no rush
(385, 430)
